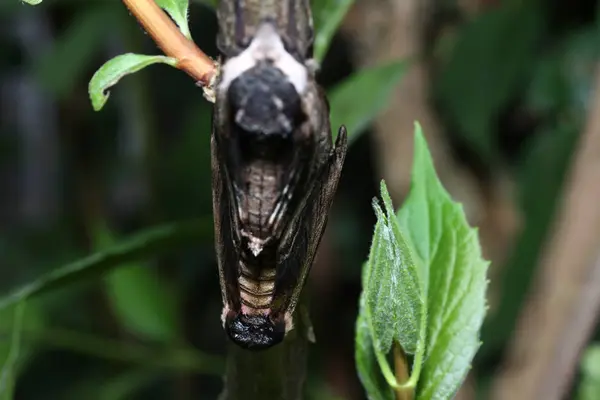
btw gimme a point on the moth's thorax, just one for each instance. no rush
(263, 88)
(240, 22)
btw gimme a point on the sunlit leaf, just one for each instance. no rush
(393, 291)
(367, 364)
(392, 306)
(455, 273)
(423, 287)
(589, 388)
(32, 2)
(113, 70)
(361, 97)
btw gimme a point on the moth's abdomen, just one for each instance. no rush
(256, 288)
(254, 326)
(259, 198)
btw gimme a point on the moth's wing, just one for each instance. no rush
(301, 240)
(225, 245)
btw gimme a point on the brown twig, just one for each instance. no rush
(172, 42)
(562, 310)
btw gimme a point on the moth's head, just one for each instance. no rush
(264, 85)
(254, 331)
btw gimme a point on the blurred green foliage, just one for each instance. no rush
(589, 388)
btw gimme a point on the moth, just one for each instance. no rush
(275, 169)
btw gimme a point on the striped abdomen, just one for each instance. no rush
(256, 288)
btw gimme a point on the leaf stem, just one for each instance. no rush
(173, 43)
(402, 373)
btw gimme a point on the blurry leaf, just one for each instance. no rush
(32, 2)
(550, 150)
(16, 352)
(320, 389)
(170, 357)
(8, 374)
(145, 244)
(562, 80)
(113, 70)
(125, 385)
(143, 303)
(210, 3)
(32, 321)
(456, 274)
(327, 15)
(589, 388)
(188, 158)
(66, 62)
(178, 10)
(490, 62)
(360, 98)
(120, 386)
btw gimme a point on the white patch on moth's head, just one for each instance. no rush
(266, 45)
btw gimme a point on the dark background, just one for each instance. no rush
(510, 90)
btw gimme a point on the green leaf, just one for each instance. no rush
(143, 303)
(178, 10)
(392, 307)
(360, 98)
(366, 359)
(327, 16)
(66, 62)
(32, 2)
(392, 290)
(113, 70)
(488, 66)
(455, 274)
(145, 244)
(8, 372)
(589, 388)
